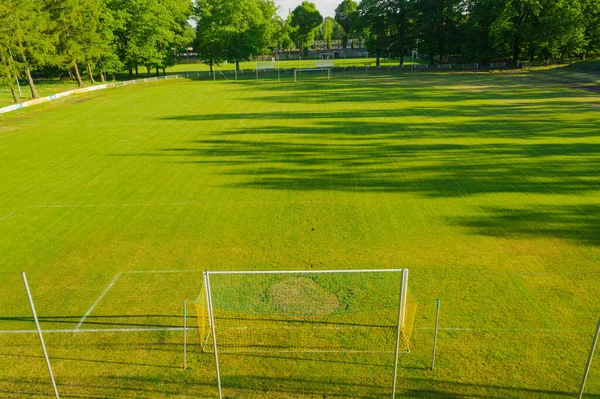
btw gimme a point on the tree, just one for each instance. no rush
(402, 17)
(305, 19)
(327, 30)
(346, 14)
(440, 26)
(235, 30)
(31, 41)
(591, 22)
(375, 17)
(7, 65)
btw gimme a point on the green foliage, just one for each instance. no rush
(346, 14)
(305, 19)
(236, 30)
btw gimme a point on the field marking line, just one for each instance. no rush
(7, 216)
(99, 330)
(504, 330)
(156, 204)
(162, 271)
(114, 280)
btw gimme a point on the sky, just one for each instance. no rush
(325, 7)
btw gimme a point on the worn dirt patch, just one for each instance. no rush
(301, 296)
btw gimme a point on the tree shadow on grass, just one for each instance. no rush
(580, 223)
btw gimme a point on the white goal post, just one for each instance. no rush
(326, 60)
(307, 311)
(311, 72)
(265, 65)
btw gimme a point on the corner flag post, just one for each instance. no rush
(37, 324)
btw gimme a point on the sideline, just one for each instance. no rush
(56, 96)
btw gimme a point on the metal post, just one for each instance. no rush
(589, 362)
(184, 335)
(401, 315)
(212, 322)
(435, 333)
(37, 324)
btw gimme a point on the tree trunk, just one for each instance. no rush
(377, 61)
(77, 75)
(137, 71)
(164, 71)
(211, 66)
(516, 50)
(34, 92)
(71, 77)
(102, 78)
(12, 89)
(401, 59)
(89, 69)
(237, 65)
(131, 72)
(157, 71)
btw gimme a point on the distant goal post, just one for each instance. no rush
(308, 311)
(311, 73)
(326, 60)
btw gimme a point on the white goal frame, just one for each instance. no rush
(328, 62)
(300, 70)
(401, 308)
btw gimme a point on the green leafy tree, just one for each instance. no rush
(305, 19)
(375, 17)
(440, 27)
(327, 30)
(346, 14)
(8, 70)
(31, 44)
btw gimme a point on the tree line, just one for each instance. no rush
(438, 30)
(105, 37)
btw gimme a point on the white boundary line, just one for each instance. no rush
(99, 330)
(154, 329)
(155, 204)
(9, 215)
(114, 280)
(162, 271)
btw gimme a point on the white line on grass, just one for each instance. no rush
(162, 271)
(114, 280)
(9, 215)
(99, 330)
(156, 204)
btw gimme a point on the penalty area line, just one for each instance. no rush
(99, 330)
(7, 216)
(114, 280)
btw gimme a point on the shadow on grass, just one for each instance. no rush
(572, 222)
(453, 136)
(82, 360)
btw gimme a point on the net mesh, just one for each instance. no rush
(305, 312)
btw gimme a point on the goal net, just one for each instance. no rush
(326, 60)
(367, 311)
(312, 73)
(265, 65)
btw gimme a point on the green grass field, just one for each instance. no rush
(486, 186)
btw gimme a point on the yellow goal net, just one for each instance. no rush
(369, 311)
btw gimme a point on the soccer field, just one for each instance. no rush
(485, 186)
